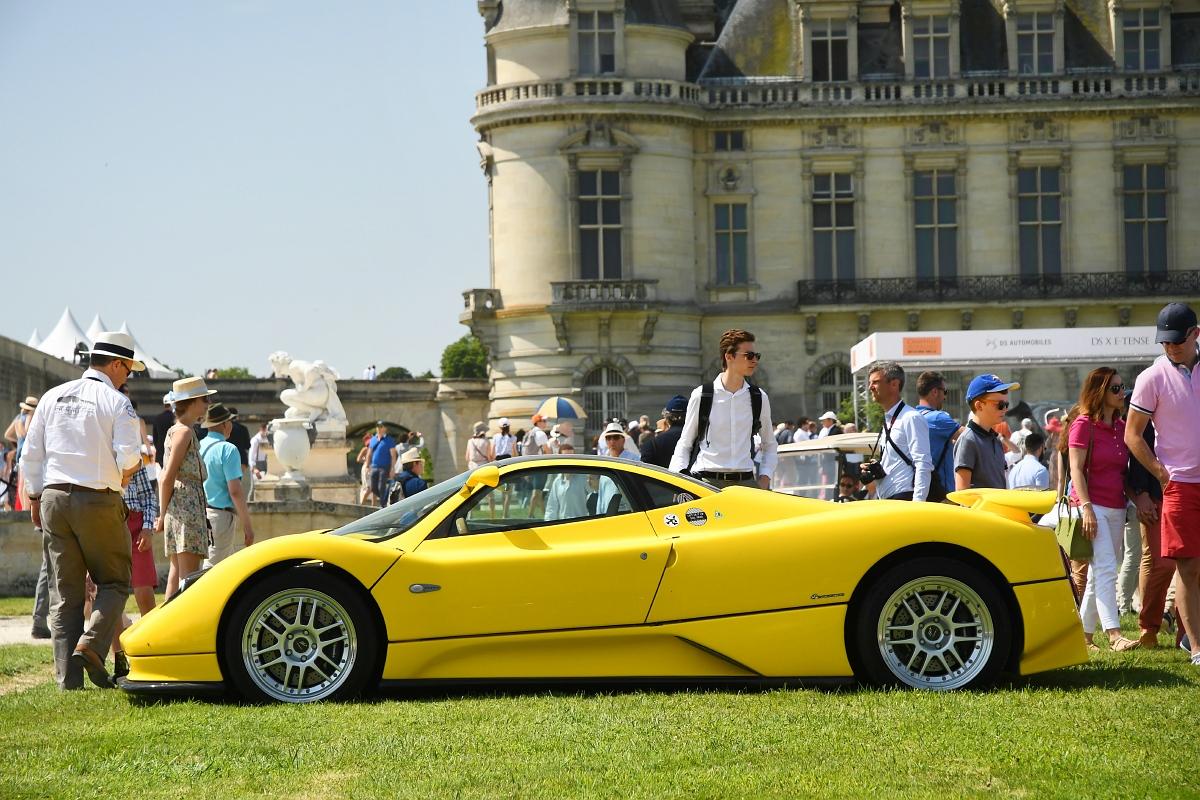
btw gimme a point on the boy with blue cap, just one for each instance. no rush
(979, 454)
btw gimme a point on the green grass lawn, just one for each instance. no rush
(23, 606)
(1121, 726)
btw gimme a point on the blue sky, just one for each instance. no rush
(235, 178)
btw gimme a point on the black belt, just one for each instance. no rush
(218, 508)
(74, 487)
(727, 476)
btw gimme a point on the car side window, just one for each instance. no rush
(535, 498)
(663, 494)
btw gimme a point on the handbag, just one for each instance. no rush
(1069, 529)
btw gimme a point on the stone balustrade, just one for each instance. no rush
(749, 93)
(630, 293)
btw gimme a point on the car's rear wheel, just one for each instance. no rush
(298, 637)
(933, 623)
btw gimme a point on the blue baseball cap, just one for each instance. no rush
(982, 384)
(677, 403)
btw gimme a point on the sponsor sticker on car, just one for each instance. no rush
(695, 516)
(671, 520)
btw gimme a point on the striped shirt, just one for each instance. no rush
(140, 496)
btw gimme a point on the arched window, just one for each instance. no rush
(837, 384)
(603, 398)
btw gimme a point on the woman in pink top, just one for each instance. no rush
(1098, 490)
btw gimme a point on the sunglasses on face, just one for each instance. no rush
(1117, 388)
(750, 356)
(1001, 405)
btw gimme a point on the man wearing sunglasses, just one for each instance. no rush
(979, 454)
(84, 442)
(727, 421)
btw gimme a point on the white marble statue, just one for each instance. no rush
(314, 397)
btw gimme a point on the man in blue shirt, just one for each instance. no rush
(943, 429)
(383, 461)
(1030, 472)
(223, 494)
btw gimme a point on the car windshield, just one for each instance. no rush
(400, 517)
(812, 473)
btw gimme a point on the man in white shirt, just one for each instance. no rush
(720, 449)
(615, 441)
(903, 444)
(258, 456)
(829, 425)
(83, 443)
(1030, 472)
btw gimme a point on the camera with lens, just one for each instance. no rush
(871, 471)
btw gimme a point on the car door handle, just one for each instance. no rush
(423, 588)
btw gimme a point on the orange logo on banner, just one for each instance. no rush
(922, 345)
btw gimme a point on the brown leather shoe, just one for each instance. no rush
(1148, 640)
(94, 665)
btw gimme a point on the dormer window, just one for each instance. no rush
(1142, 36)
(931, 47)
(597, 41)
(830, 51)
(1035, 43)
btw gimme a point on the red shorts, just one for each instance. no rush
(1181, 520)
(144, 572)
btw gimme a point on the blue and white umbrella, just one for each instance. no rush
(559, 407)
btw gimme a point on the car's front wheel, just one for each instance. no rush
(933, 623)
(298, 637)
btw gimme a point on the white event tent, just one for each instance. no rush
(61, 341)
(95, 329)
(35, 340)
(984, 350)
(154, 368)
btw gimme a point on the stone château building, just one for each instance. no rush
(816, 170)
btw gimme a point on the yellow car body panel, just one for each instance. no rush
(600, 572)
(191, 668)
(188, 625)
(1053, 631)
(756, 645)
(754, 551)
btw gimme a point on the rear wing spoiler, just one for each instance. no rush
(1014, 504)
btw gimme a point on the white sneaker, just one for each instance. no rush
(1196, 659)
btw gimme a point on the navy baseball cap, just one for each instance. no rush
(982, 384)
(1174, 322)
(677, 403)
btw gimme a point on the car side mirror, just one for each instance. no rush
(487, 475)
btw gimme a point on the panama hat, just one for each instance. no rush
(410, 455)
(189, 388)
(217, 415)
(480, 428)
(116, 345)
(29, 403)
(614, 429)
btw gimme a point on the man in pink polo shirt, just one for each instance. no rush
(1169, 391)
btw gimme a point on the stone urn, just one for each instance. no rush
(289, 437)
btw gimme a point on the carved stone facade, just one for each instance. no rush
(744, 185)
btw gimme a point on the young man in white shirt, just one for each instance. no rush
(83, 442)
(903, 444)
(721, 449)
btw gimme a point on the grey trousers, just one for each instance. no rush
(85, 534)
(41, 594)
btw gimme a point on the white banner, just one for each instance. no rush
(1048, 346)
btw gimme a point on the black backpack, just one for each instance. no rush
(706, 403)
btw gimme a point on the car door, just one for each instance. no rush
(547, 549)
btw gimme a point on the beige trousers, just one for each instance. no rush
(225, 538)
(85, 535)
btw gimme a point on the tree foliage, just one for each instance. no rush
(234, 373)
(466, 358)
(395, 374)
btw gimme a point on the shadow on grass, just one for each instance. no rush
(1097, 675)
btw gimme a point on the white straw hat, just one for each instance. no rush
(189, 388)
(117, 345)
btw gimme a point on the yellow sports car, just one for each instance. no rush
(584, 567)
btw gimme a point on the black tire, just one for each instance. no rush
(961, 630)
(300, 636)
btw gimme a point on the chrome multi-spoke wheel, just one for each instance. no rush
(299, 644)
(298, 637)
(932, 623)
(935, 633)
